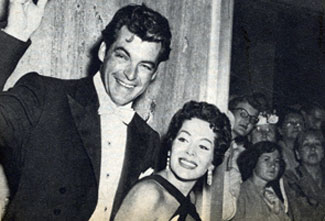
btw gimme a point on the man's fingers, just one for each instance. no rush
(42, 3)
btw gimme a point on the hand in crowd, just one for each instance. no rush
(24, 18)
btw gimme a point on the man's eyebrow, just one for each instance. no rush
(153, 64)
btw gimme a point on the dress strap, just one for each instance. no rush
(186, 206)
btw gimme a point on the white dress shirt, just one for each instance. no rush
(113, 144)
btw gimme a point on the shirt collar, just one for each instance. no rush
(106, 105)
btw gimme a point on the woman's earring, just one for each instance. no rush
(168, 160)
(210, 177)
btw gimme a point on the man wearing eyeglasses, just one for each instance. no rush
(246, 116)
(243, 114)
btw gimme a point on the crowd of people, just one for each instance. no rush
(75, 149)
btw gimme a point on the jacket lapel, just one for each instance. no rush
(136, 160)
(83, 104)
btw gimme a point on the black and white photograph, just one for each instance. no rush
(150, 110)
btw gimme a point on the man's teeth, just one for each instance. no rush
(125, 85)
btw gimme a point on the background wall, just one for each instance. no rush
(279, 49)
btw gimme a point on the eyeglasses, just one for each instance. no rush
(294, 124)
(244, 114)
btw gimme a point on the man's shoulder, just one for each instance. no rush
(34, 78)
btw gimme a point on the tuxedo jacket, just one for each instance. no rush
(50, 144)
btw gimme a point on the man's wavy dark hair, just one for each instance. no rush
(248, 159)
(144, 22)
(257, 100)
(218, 122)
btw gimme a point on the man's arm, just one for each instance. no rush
(24, 18)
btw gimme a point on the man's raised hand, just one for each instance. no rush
(24, 18)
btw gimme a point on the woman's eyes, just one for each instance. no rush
(266, 160)
(203, 147)
(182, 139)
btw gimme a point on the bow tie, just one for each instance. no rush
(125, 114)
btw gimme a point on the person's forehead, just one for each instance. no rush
(275, 153)
(249, 108)
(198, 128)
(134, 44)
(312, 137)
(294, 116)
(266, 126)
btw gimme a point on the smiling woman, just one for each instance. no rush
(198, 136)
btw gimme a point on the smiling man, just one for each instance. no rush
(73, 148)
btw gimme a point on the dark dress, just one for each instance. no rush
(186, 208)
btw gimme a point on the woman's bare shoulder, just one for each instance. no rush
(144, 200)
(148, 190)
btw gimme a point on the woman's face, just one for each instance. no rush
(192, 150)
(264, 132)
(292, 126)
(311, 151)
(268, 166)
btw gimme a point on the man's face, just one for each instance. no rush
(128, 67)
(314, 119)
(293, 124)
(245, 115)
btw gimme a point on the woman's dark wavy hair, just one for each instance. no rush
(218, 122)
(146, 23)
(247, 160)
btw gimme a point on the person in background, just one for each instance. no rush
(82, 164)
(291, 123)
(265, 129)
(24, 18)
(197, 138)
(314, 114)
(260, 165)
(305, 184)
(243, 113)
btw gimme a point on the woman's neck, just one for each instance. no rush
(289, 143)
(259, 183)
(314, 170)
(183, 186)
